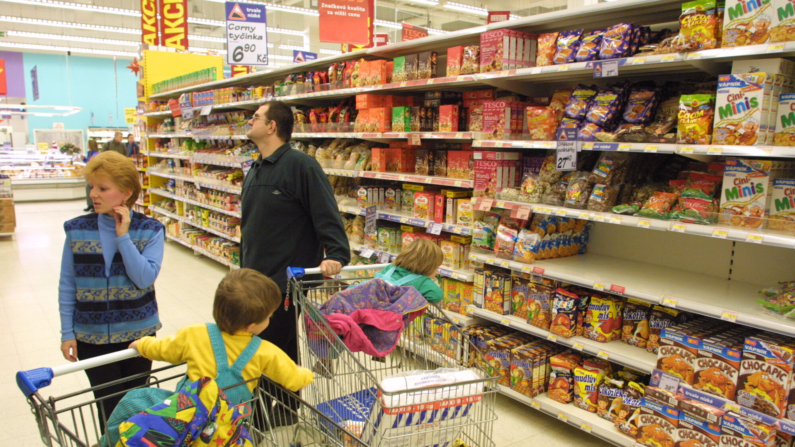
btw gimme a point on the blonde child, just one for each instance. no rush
(244, 302)
(414, 267)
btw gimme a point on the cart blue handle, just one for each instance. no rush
(29, 382)
(300, 272)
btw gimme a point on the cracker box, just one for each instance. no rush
(743, 199)
(785, 121)
(717, 369)
(693, 431)
(455, 58)
(677, 354)
(495, 296)
(740, 116)
(465, 212)
(747, 23)
(738, 431)
(766, 373)
(782, 205)
(448, 118)
(657, 424)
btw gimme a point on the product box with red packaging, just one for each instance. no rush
(448, 118)
(400, 160)
(461, 164)
(390, 67)
(378, 72)
(380, 119)
(424, 205)
(495, 47)
(495, 171)
(455, 58)
(364, 74)
(369, 101)
(497, 119)
(378, 158)
(438, 208)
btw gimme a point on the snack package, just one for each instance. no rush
(526, 248)
(611, 399)
(616, 42)
(635, 324)
(559, 100)
(531, 189)
(542, 123)
(603, 197)
(701, 186)
(504, 242)
(606, 106)
(659, 319)
(484, 230)
(568, 44)
(564, 314)
(659, 205)
(695, 119)
(539, 305)
(588, 132)
(699, 25)
(601, 319)
(739, 119)
(641, 106)
(561, 378)
(749, 26)
(663, 128)
(698, 211)
(628, 418)
(589, 46)
(612, 168)
(579, 190)
(586, 389)
(579, 102)
(547, 48)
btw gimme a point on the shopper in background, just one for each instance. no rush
(132, 147)
(93, 150)
(289, 216)
(116, 145)
(110, 261)
(415, 266)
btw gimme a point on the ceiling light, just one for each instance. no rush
(77, 6)
(285, 8)
(127, 43)
(436, 31)
(199, 21)
(466, 8)
(65, 49)
(425, 2)
(387, 24)
(328, 51)
(53, 23)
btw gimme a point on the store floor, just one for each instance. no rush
(30, 324)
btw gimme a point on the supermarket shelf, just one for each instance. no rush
(714, 297)
(228, 161)
(653, 148)
(164, 193)
(160, 114)
(387, 135)
(430, 180)
(459, 274)
(461, 320)
(47, 181)
(198, 136)
(203, 252)
(516, 144)
(184, 178)
(741, 151)
(401, 218)
(6, 234)
(584, 420)
(166, 213)
(179, 241)
(351, 210)
(140, 203)
(169, 155)
(196, 180)
(614, 351)
(342, 172)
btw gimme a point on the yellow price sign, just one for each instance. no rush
(615, 220)
(678, 228)
(598, 286)
(458, 183)
(585, 216)
(603, 355)
(651, 148)
(638, 61)
(561, 212)
(720, 234)
(585, 427)
(670, 302)
(775, 48)
(643, 223)
(578, 346)
(624, 147)
(505, 322)
(563, 417)
(668, 58)
(552, 337)
(563, 68)
(729, 315)
(599, 217)
(755, 238)
(714, 150)
(535, 405)
(731, 407)
(527, 269)
(687, 150)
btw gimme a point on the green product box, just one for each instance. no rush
(401, 119)
(399, 69)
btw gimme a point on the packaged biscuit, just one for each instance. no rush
(547, 47)
(628, 419)
(564, 314)
(744, 196)
(586, 389)
(659, 319)
(641, 105)
(635, 326)
(567, 46)
(782, 205)
(738, 430)
(580, 101)
(588, 131)
(611, 399)
(612, 168)
(766, 374)
(785, 121)
(699, 25)
(695, 119)
(589, 46)
(739, 113)
(539, 305)
(747, 24)
(616, 42)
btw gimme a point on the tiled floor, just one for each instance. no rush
(29, 326)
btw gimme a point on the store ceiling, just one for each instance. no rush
(83, 27)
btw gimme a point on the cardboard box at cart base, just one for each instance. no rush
(8, 220)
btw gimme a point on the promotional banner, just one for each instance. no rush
(381, 39)
(246, 34)
(498, 16)
(346, 21)
(130, 115)
(149, 34)
(240, 70)
(303, 56)
(411, 32)
(3, 82)
(174, 23)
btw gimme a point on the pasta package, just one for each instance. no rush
(589, 46)
(695, 119)
(542, 123)
(567, 46)
(547, 48)
(616, 42)
(699, 25)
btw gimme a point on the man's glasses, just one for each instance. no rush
(255, 117)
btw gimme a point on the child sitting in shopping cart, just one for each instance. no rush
(244, 302)
(415, 266)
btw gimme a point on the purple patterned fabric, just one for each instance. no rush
(369, 317)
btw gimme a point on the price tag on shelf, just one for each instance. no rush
(459, 135)
(383, 258)
(678, 228)
(603, 355)
(599, 217)
(598, 286)
(490, 261)
(615, 220)
(578, 346)
(403, 84)
(605, 69)
(618, 290)
(755, 238)
(563, 67)
(585, 216)
(505, 322)
(206, 110)
(527, 269)
(731, 406)
(485, 205)
(668, 58)
(538, 270)
(552, 337)
(560, 212)
(426, 181)
(729, 315)
(638, 60)
(775, 48)
(187, 113)
(720, 234)
(585, 427)
(456, 321)
(435, 228)
(523, 212)
(669, 302)
(714, 150)
(694, 56)
(505, 264)
(414, 139)
(429, 81)
(535, 405)
(366, 252)
(458, 183)
(643, 223)
(542, 210)
(624, 147)
(651, 148)
(471, 309)
(404, 219)
(563, 417)
(687, 150)
(669, 383)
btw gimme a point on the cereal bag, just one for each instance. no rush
(526, 248)
(606, 106)
(739, 117)
(561, 378)
(567, 46)
(589, 46)
(588, 132)
(547, 47)
(542, 123)
(586, 389)
(695, 119)
(564, 314)
(616, 42)
(627, 419)
(785, 120)
(641, 106)
(611, 399)
(698, 25)
(580, 101)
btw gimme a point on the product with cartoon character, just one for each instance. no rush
(766, 373)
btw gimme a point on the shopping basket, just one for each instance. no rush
(73, 419)
(386, 401)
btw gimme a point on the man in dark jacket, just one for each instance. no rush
(116, 145)
(132, 147)
(290, 217)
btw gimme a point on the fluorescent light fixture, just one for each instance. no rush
(283, 8)
(65, 49)
(328, 51)
(127, 43)
(77, 6)
(17, 109)
(424, 2)
(56, 24)
(387, 24)
(466, 8)
(209, 22)
(436, 31)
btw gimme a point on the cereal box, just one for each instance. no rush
(495, 171)
(782, 205)
(635, 325)
(586, 389)
(766, 374)
(452, 300)
(451, 252)
(522, 359)
(479, 288)
(399, 69)
(448, 118)
(455, 58)
(412, 67)
(743, 432)
(744, 196)
(657, 424)
(520, 289)
(466, 293)
(438, 209)
(740, 116)
(401, 119)
(465, 212)
(785, 121)
(461, 164)
(747, 23)
(539, 305)
(717, 368)
(677, 354)
(692, 431)
(424, 203)
(495, 49)
(495, 296)
(783, 439)
(407, 201)
(427, 65)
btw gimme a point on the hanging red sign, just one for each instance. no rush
(240, 70)
(346, 21)
(174, 23)
(381, 39)
(411, 32)
(499, 16)
(3, 82)
(149, 34)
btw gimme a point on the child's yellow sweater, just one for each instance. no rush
(191, 345)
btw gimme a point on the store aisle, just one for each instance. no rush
(29, 325)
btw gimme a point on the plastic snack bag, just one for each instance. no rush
(546, 49)
(526, 248)
(659, 205)
(580, 102)
(699, 25)
(531, 189)
(605, 107)
(589, 46)
(559, 100)
(542, 123)
(588, 132)
(701, 186)
(641, 106)
(504, 242)
(567, 46)
(579, 191)
(616, 42)
(695, 119)
(603, 197)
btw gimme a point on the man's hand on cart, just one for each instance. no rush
(330, 267)
(69, 350)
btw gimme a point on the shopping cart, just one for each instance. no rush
(73, 419)
(380, 399)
